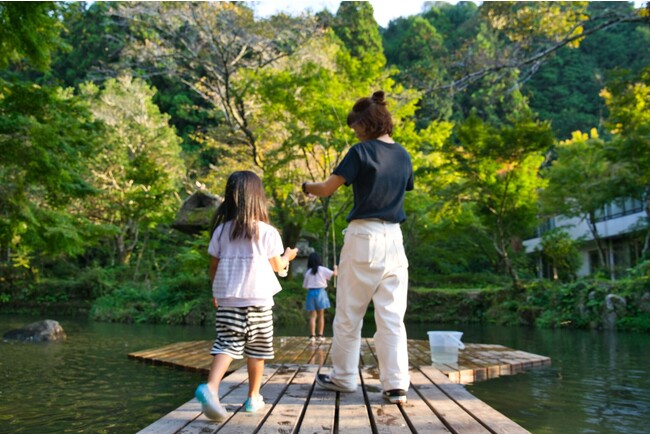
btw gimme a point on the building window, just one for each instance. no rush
(545, 226)
(619, 208)
(594, 261)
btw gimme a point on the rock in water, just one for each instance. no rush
(40, 331)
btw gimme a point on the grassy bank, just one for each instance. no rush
(587, 303)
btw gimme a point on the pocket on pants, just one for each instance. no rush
(360, 247)
(400, 254)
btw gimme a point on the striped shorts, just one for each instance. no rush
(244, 331)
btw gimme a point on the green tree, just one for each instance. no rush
(629, 104)
(562, 252)
(355, 25)
(207, 46)
(498, 96)
(139, 172)
(415, 46)
(532, 32)
(305, 100)
(29, 30)
(47, 138)
(444, 43)
(492, 51)
(100, 38)
(580, 183)
(499, 168)
(96, 38)
(566, 89)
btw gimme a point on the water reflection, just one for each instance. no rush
(598, 381)
(87, 383)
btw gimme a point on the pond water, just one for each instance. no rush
(597, 383)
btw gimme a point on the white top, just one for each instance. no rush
(318, 280)
(244, 275)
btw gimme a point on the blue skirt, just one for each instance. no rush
(317, 299)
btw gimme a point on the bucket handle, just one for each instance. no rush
(461, 345)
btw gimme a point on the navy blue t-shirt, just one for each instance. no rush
(379, 173)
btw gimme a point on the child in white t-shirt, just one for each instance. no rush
(246, 252)
(317, 301)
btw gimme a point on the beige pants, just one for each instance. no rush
(373, 267)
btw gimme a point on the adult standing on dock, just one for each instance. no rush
(373, 263)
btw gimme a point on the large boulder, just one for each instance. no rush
(196, 213)
(40, 331)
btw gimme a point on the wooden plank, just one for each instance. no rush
(494, 365)
(155, 353)
(387, 417)
(294, 403)
(245, 423)
(319, 415)
(353, 414)
(422, 357)
(231, 398)
(146, 352)
(321, 353)
(435, 375)
(190, 358)
(486, 415)
(308, 353)
(476, 362)
(291, 351)
(419, 353)
(286, 414)
(497, 422)
(191, 410)
(367, 353)
(417, 413)
(175, 420)
(447, 412)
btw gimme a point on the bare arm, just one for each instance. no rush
(214, 264)
(281, 262)
(325, 188)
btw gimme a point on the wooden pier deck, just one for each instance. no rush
(295, 404)
(476, 362)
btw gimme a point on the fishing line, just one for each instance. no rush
(347, 144)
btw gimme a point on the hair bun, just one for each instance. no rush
(378, 97)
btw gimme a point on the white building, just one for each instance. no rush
(621, 226)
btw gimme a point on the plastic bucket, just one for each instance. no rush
(444, 346)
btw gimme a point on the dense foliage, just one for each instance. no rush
(113, 113)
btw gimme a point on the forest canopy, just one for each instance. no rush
(113, 113)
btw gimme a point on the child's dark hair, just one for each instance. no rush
(372, 114)
(313, 262)
(244, 203)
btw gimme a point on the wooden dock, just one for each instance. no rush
(477, 362)
(295, 404)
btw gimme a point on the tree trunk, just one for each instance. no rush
(502, 250)
(126, 241)
(602, 252)
(645, 253)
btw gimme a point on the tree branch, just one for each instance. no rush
(536, 59)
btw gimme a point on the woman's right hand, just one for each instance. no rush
(290, 254)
